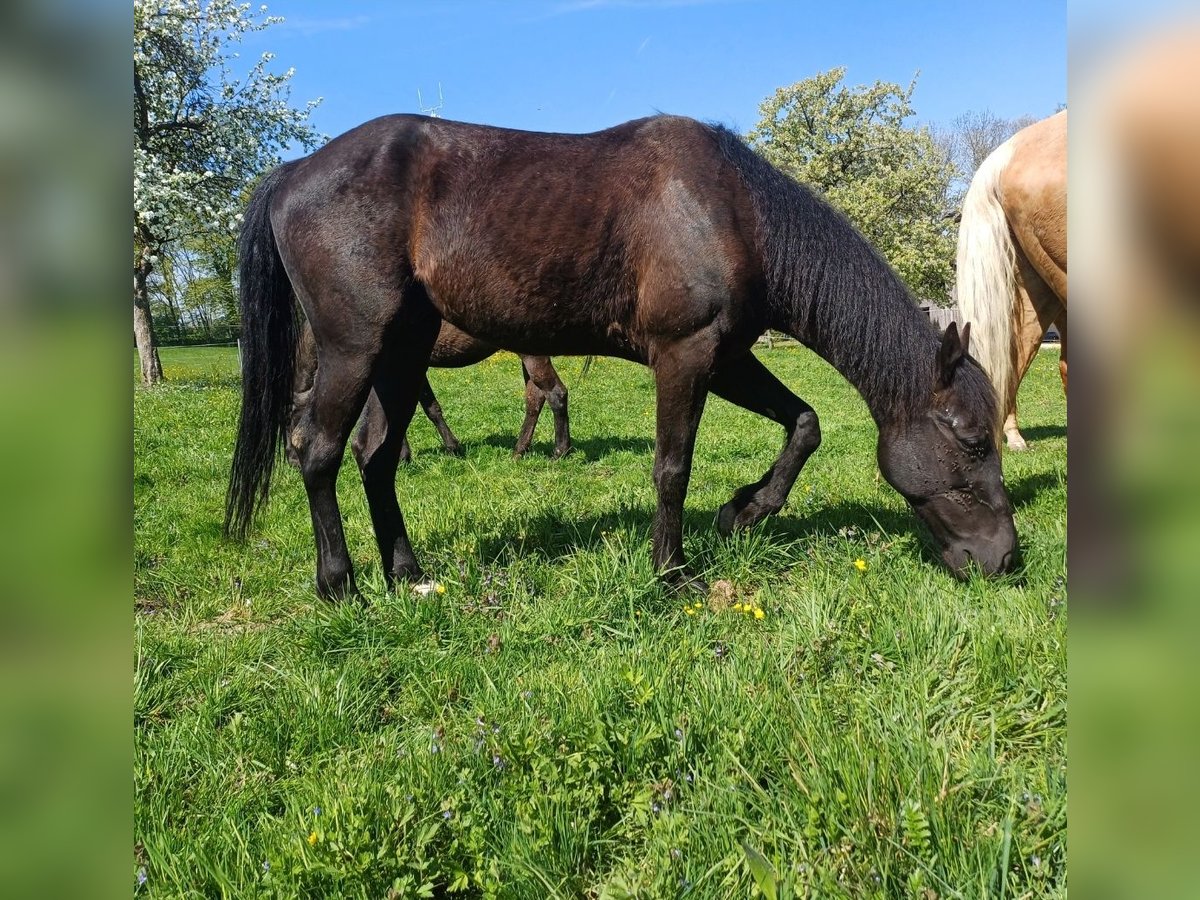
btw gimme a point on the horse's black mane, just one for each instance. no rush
(841, 296)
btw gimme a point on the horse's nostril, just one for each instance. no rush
(1007, 562)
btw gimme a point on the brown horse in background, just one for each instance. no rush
(454, 349)
(678, 249)
(1012, 259)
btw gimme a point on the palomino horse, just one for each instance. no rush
(678, 248)
(454, 349)
(1012, 258)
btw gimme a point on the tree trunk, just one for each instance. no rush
(143, 331)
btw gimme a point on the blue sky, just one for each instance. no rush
(580, 65)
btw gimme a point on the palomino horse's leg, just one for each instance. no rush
(1061, 324)
(397, 386)
(542, 384)
(1037, 307)
(749, 384)
(681, 375)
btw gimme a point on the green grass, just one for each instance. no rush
(554, 724)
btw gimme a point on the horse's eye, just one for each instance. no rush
(976, 442)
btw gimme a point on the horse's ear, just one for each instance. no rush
(950, 354)
(964, 338)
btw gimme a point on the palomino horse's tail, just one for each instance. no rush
(987, 277)
(268, 344)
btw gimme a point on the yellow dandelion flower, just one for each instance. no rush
(861, 565)
(441, 588)
(758, 614)
(689, 610)
(737, 607)
(747, 608)
(312, 839)
(698, 604)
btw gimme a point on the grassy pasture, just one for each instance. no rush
(556, 725)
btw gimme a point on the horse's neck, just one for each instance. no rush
(877, 338)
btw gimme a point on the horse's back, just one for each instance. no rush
(583, 234)
(545, 243)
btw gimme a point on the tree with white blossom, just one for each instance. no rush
(201, 133)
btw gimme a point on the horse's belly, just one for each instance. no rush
(531, 328)
(524, 317)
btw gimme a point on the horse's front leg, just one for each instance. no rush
(681, 376)
(749, 384)
(535, 399)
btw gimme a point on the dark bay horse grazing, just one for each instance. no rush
(678, 248)
(454, 349)
(1012, 259)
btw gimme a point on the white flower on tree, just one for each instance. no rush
(201, 134)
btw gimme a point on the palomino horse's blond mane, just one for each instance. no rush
(1012, 259)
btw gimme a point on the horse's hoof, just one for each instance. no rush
(456, 450)
(683, 581)
(1016, 443)
(340, 591)
(559, 454)
(409, 574)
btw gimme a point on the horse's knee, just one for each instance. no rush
(557, 397)
(670, 476)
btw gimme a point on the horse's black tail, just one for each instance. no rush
(268, 350)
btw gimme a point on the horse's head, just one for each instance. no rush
(945, 463)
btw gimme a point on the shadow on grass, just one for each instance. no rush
(1043, 432)
(1023, 491)
(589, 449)
(557, 536)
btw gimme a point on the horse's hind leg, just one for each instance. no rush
(1037, 307)
(433, 410)
(749, 384)
(542, 384)
(535, 399)
(546, 377)
(302, 385)
(372, 426)
(398, 381)
(1061, 324)
(317, 438)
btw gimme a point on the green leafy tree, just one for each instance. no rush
(201, 133)
(891, 179)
